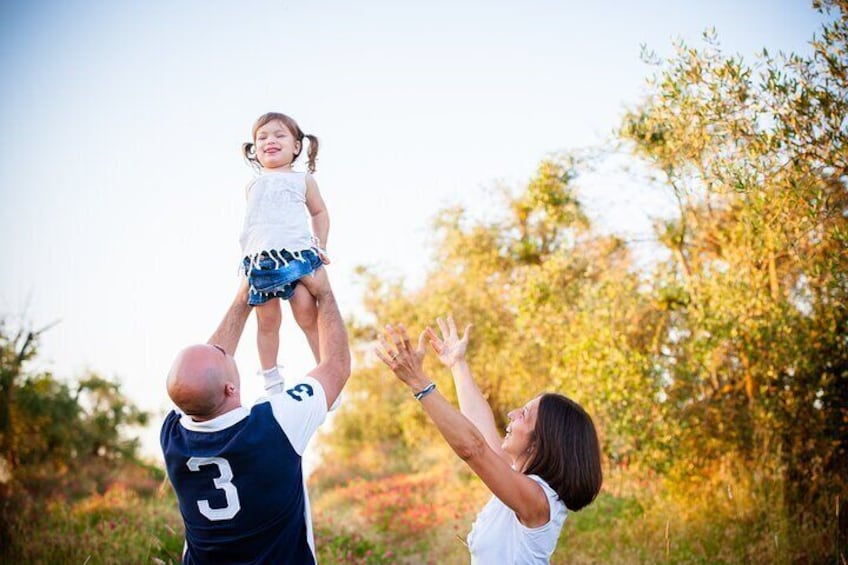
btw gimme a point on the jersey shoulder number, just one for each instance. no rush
(299, 390)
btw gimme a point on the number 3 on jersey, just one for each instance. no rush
(223, 482)
(298, 390)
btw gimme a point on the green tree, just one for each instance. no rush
(58, 438)
(757, 349)
(44, 420)
(728, 355)
(555, 307)
(15, 351)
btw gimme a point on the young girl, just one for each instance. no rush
(277, 244)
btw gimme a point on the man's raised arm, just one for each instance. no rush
(334, 369)
(231, 327)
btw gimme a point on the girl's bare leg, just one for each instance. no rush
(305, 311)
(268, 318)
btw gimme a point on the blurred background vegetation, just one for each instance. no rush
(717, 373)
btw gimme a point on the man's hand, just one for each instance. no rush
(318, 284)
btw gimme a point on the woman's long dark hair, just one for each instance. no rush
(566, 452)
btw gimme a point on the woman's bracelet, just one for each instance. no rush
(425, 391)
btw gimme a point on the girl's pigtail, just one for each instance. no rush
(312, 155)
(248, 150)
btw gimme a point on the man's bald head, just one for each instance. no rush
(204, 382)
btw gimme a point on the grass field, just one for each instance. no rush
(132, 517)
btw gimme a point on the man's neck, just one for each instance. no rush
(224, 409)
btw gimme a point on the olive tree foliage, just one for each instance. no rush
(733, 351)
(555, 307)
(756, 350)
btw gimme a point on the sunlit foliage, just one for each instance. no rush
(724, 362)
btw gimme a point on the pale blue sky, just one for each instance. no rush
(121, 123)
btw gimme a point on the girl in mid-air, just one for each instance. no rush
(278, 245)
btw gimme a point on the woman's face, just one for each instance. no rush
(519, 431)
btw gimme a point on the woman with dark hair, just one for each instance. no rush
(549, 462)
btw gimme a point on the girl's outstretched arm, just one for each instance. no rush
(320, 216)
(451, 351)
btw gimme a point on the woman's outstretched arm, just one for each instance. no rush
(523, 495)
(450, 349)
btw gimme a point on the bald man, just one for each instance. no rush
(237, 472)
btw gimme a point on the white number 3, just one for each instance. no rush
(224, 483)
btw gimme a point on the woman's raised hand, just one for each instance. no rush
(405, 361)
(449, 347)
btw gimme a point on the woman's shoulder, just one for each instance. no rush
(557, 513)
(549, 491)
(541, 481)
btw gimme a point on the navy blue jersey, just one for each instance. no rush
(239, 479)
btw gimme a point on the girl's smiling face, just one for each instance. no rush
(519, 432)
(276, 146)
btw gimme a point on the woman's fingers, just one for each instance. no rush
(390, 351)
(435, 341)
(465, 334)
(395, 336)
(396, 343)
(387, 354)
(451, 325)
(404, 338)
(442, 327)
(384, 357)
(400, 340)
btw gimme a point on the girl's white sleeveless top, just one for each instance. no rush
(276, 216)
(498, 538)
